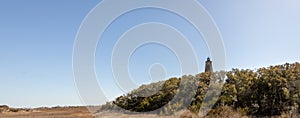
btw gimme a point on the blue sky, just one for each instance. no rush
(36, 41)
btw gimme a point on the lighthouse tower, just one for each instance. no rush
(208, 65)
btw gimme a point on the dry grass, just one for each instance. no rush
(83, 112)
(57, 112)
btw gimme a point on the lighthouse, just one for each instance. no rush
(208, 65)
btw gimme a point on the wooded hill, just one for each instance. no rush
(269, 91)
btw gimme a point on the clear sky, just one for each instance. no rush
(36, 43)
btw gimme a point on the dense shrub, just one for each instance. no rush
(263, 92)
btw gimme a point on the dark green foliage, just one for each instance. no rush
(264, 92)
(267, 91)
(134, 102)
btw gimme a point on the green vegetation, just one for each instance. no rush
(263, 92)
